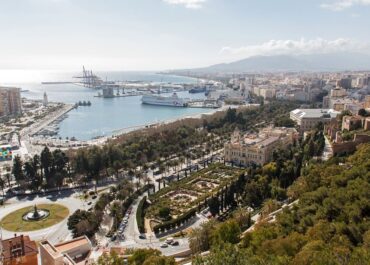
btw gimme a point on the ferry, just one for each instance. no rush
(172, 101)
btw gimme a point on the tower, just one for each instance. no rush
(45, 100)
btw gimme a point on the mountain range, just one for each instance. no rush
(276, 63)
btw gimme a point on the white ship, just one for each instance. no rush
(173, 101)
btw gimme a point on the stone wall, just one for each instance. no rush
(349, 147)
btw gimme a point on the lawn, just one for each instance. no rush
(14, 221)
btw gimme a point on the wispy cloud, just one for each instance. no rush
(339, 5)
(193, 4)
(295, 47)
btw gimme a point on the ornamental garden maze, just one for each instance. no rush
(175, 204)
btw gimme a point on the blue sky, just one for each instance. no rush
(167, 34)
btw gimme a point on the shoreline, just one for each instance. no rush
(61, 143)
(123, 131)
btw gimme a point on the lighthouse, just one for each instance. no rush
(45, 101)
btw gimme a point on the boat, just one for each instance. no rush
(197, 89)
(172, 101)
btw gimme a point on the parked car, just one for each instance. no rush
(89, 203)
(142, 237)
(164, 245)
(169, 240)
(175, 243)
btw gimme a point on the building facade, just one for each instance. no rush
(258, 148)
(19, 250)
(10, 101)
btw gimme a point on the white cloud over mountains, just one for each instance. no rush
(193, 4)
(339, 5)
(296, 47)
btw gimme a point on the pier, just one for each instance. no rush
(38, 126)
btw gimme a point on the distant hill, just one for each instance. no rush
(312, 62)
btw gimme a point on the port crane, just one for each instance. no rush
(89, 79)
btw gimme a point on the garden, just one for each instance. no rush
(179, 198)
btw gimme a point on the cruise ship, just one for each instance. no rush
(172, 101)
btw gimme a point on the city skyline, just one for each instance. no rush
(170, 34)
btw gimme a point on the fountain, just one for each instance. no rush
(36, 214)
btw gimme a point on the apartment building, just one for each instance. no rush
(258, 148)
(10, 101)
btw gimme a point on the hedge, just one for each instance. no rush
(140, 214)
(176, 222)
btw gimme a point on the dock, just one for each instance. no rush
(50, 118)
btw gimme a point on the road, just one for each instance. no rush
(132, 233)
(55, 233)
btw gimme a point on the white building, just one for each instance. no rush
(308, 119)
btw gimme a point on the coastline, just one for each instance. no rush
(123, 131)
(61, 143)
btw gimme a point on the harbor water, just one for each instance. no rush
(106, 116)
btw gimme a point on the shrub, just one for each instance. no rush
(140, 214)
(175, 222)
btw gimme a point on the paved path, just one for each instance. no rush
(328, 151)
(132, 233)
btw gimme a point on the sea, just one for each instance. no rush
(105, 116)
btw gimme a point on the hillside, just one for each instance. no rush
(312, 62)
(329, 225)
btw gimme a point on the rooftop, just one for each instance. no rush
(314, 113)
(72, 244)
(18, 246)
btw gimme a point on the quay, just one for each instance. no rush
(51, 117)
(58, 83)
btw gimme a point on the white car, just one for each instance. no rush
(164, 245)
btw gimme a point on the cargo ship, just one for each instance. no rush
(172, 101)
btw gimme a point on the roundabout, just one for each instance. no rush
(34, 217)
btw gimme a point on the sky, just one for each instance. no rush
(172, 34)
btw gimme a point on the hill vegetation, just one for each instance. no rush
(329, 224)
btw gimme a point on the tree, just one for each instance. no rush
(95, 164)
(227, 232)
(46, 160)
(149, 257)
(362, 112)
(30, 174)
(83, 223)
(18, 170)
(159, 260)
(225, 254)
(164, 213)
(200, 237)
(243, 218)
(111, 259)
(214, 206)
(2, 185)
